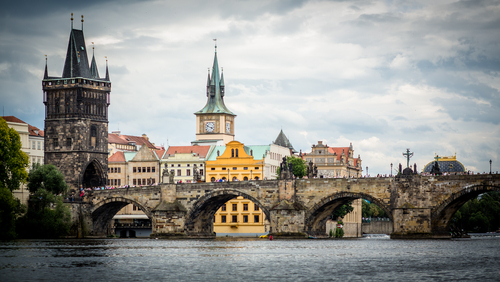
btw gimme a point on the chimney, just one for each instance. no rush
(145, 136)
(117, 132)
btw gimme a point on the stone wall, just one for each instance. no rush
(377, 227)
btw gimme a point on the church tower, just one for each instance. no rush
(215, 122)
(76, 117)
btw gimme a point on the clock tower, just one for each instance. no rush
(215, 122)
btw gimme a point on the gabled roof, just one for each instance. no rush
(117, 157)
(34, 131)
(145, 154)
(256, 151)
(283, 141)
(202, 151)
(114, 138)
(215, 92)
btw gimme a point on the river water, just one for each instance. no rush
(375, 258)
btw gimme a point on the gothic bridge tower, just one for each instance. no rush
(76, 117)
(215, 122)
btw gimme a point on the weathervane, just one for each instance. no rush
(408, 155)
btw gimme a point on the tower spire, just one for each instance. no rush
(94, 73)
(71, 21)
(107, 72)
(82, 22)
(46, 74)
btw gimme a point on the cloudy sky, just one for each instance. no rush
(384, 75)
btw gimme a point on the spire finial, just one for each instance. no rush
(82, 22)
(46, 73)
(71, 20)
(215, 40)
(92, 48)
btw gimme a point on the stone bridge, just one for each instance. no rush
(418, 206)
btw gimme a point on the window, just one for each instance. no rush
(245, 168)
(223, 168)
(236, 152)
(179, 173)
(256, 218)
(149, 169)
(201, 172)
(235, 168)
(212, 168)
(245, 178)
(39, 145)
(134, 181)
(119, 170)
(235, 207)
(222, 218)
(93, 136)
(33, 145)
(153, 169)
(178, 165)
(201, 165)
(212, 179)
(138, 169)
(187, 165)
(232, 153)
(154, 180)
(223, 208)
(172, 165)
(134, 207)
(255, 207)
(256, 167)
(188, 172)
(245, 207)
(245, 218)
(119, 182)
(234, 218)
(143, 169)
(134, 170)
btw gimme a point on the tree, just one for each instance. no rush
(13, 161)
(342, 211)
(8, 213)
(299, 167)
(371, 210)
(47, 217)
(481, 214)
(46, 177)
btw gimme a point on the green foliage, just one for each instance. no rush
(42, 221)
(299, 167)
(9, 210)
(339, 232)
(342, 211)
(372, 210)
(481, 214)
(331, 233)
(13, 161)
(46, 177)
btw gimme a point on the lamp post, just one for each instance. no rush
(366, 171)
(128, 180)
(251, 175)
(391, 169)
(228, 175)
(490, 166)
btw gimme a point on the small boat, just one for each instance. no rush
(311, 237)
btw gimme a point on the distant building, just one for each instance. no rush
(334, 162)
(448, 165)
(32, 144)
(183, 159)
(283, 141)
(240, 217)
(127, 143)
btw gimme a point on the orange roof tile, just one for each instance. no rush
(12, 119)
(202, 151)
(125, 139)
(117, 157)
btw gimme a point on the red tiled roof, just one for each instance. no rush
(125, 139)
(202, 151)
(12, 119)
(117, 157)
(159, 153)
(34, 131)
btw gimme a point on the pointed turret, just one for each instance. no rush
(46, 74)
(283, 141)
(221, 84)
(107, 72)
(94, 72)
(208, 83)
(215, 92)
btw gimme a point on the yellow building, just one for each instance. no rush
(239, 216)
(235, 162)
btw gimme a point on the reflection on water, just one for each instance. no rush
(372, 258)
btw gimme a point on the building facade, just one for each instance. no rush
(127, 143)
(334, 162)
(215, 123)
(234, 162)
(183, 160)
(76, 117)
(240, 217)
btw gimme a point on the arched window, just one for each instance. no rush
(236, 152)
(212, 179)
(232, 153)
(256, 178)
(235, 178)
(245, 178)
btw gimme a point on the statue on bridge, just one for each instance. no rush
(286, 170)
(165, 175)
(312, 170)
(196, 174)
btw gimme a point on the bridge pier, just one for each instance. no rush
(287, 220)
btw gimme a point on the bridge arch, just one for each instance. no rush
(315, 223)
(441, 215)
(104, 211)
(199, 219)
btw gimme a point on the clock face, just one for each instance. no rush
(228, 127)
(210, 126)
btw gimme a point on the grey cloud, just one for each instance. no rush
(469, 110)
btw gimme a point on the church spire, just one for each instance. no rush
(215, 91)
(76, 63)
(94, 72)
